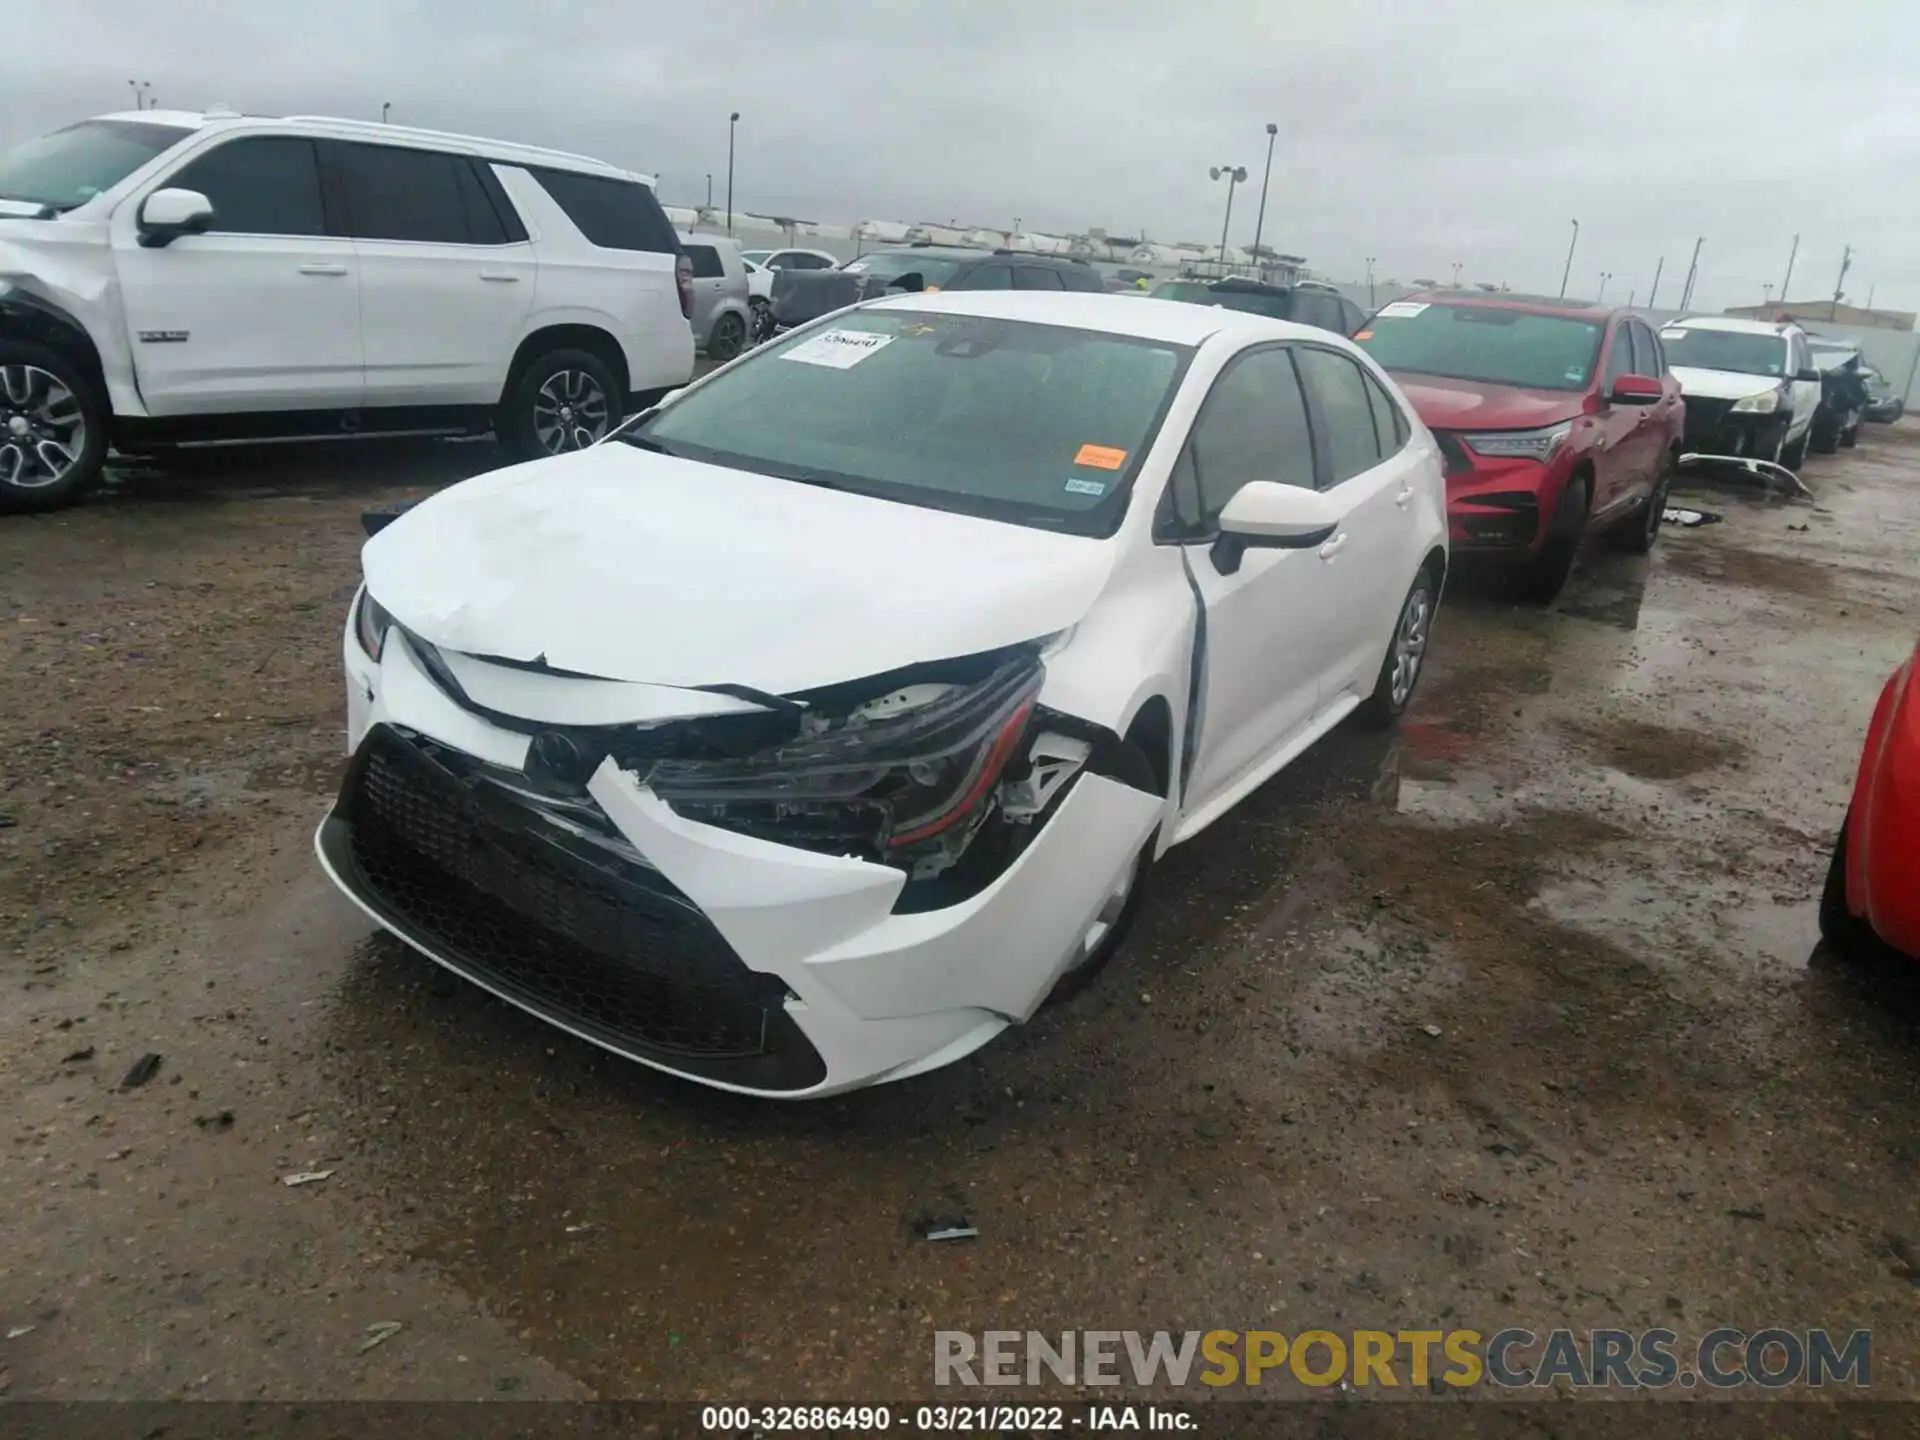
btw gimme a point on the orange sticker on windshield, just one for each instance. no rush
(1100, 457)
(1363, 335)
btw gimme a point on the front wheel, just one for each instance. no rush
(1795, 454)
(565, 400)
(1547, 576)
(53, 428)
(1846, 934)
(1637, 534)
(1128, 764)
(1406, 653)
(762, 329)
(729, 338)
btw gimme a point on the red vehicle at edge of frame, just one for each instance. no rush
(1872, 896)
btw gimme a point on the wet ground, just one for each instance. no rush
(1514, 1018)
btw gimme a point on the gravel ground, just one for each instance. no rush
(1516, 1017)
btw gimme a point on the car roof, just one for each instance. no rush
(1096, 310)
(1525, 304)
(504, 151)
(1725, 322)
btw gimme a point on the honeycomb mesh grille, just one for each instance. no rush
(599, 945)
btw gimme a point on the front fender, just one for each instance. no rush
(1883, 849)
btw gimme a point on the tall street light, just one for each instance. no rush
(732, 120)
(1261, 219)
(1567, 274)
(1234, 175)
(1605, 275)
(1370, 282)
(385, 107)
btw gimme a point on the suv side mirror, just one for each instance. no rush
(166, 215)
(1811, 375)
(1267, 515)
(1636, 390)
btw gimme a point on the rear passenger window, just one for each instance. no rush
(1083, 278)
(1252, 427)
(266, 185)
(987, 277)
(1353, 446)
(485, 224)
(395, 194)
(706, 262)
(1389, 425)
(613, 214)
(1036, 277)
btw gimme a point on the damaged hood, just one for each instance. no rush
(1444, 403)
(627, 565)
(1722, 384)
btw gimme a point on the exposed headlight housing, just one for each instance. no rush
(1765, 403)
(1519, 444)
(370, 623)
(899, 783)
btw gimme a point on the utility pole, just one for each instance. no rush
(709, 190)
(1792, 255)
(1846, 264)
(1370, 282)
(1261, 219)
(1567, 274)
(1654, 293)
(1870, 289)
(1630, 295)
(1693, 273)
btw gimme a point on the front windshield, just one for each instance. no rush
(1484, 343)
(1735, 350)
(1039, 425)
(933, 271)
(71, 166)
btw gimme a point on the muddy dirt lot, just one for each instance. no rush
(1514, 1018)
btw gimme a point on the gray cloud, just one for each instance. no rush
(1421, 134)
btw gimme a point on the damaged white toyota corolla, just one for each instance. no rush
(823, 721)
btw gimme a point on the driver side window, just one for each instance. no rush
(1252, 427)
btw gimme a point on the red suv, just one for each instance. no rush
(1555, 417)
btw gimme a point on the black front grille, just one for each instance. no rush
(1706, 419)
(571, 930)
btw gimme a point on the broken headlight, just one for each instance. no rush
(897, 777)
(370, 623)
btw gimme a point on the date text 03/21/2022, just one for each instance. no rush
(943, 1419)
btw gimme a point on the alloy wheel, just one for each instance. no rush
(569, 412)
(43, 431)
(1410, 644)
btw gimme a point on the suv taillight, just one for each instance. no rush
(683, 281)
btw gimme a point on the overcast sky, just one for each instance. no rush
(1419, 133)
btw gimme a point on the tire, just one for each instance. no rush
(53, 428)
(1850, 437)
(1127, 763)
(564, 400)
(1406, 653)
(1846, 934)
(1547, 576)
(729, 338)
(1795, 455)
(1825, 436)
(762, 329)
(1637, 534)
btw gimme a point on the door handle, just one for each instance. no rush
(1404, 498)
(1334, 546)
(320, 267)
(504, 276)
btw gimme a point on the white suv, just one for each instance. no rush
(167, 278)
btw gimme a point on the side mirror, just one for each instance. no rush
(1812, 376)
(1267, 515)
(1636, 390)
(166, 215)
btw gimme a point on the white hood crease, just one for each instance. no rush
(626, 565)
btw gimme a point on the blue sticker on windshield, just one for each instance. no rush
(1077, 486)
(1577, 374)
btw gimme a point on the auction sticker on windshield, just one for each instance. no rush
(1100, 457)
(837, 349)
(1401, 310)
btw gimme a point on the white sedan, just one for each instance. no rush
(823, 721)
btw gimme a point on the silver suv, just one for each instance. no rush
(169, 278)
(722, 315)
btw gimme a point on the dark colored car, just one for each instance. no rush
(1556, 417)
(1883, 406)
(1318, 305)
(1844, 396)
(803, 295)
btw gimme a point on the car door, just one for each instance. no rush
(709, 287)
(1261, 625)
(261, 312)
(1370, 561)
(446, 280)
(1658, 420)
(1806, 393)
(1619, 470)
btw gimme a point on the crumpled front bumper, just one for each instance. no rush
(707, 927)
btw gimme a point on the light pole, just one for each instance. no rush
(1567, 274)
(1654, 293)
(385, 107)
(1605, 275)
(135, 87)
(1456, 274)
(1370, 282)
(1792, 255)
(1234, 175)
(1846, 264)
(709, 190)
(1261, 219)
(732, 120)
